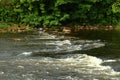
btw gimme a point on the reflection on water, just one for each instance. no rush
(33, 56)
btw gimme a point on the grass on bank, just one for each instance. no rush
(14, 28)
(3, 25)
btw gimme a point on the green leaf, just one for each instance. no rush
(60, 2)
(54, 22)
(116, 7)
(18, 10)
(22, 1)
(65, 16)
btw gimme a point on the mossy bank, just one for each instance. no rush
(14, 28)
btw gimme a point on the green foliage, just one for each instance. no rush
(2, 25)
(116, 7)
(49, 13)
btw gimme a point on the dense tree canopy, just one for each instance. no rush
(60, 12)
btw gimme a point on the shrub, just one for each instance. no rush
(48, 13)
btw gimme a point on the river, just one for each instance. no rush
(91, 55)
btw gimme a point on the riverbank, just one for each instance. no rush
(15, 28)
(77, 29)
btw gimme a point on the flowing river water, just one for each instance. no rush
(34, 56)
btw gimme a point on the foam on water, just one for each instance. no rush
(25, 54)
(59, 43)
(110, 60)
(68, 45)
(64, 42)
(84, 64)
(91, 65)
(77, 63)
(61, 47)
(81, 63)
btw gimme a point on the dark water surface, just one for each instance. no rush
(32, 56)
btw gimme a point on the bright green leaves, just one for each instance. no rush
(42, 8)
(22, 1)
(18, 10)
(65, 16)
(28, 1)
(58, 12)
(116, 7)
(30, 7)
(60, 2)
(94, 1)
(85, 7)
(31, 19)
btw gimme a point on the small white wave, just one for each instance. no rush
(97, 45)
(67, 42)
(68, 48)
(2, 73)
(110, 60)
(93, 45)
(25, 54)
(59, 43)
(68, 78)
(84, 60)
(20, 67)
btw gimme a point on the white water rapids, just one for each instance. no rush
(28, 64)
(70, 67)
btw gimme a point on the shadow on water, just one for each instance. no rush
(103, 35)
(111, 38)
